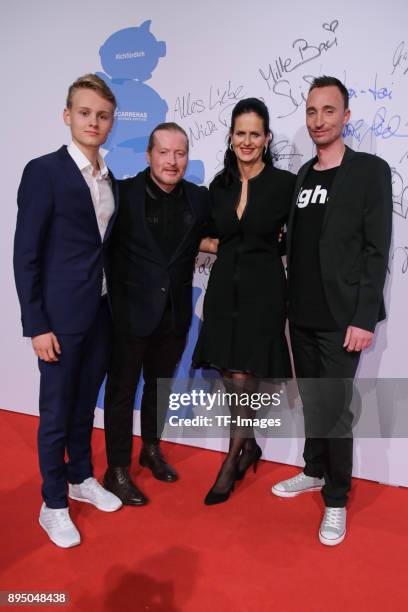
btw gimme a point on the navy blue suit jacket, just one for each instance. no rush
(58, 252)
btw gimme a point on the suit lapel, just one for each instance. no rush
(299, 182)
(115, 191)
(192, 203)
(338, 181)
(75, 179)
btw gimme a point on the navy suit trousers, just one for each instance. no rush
(68, 394)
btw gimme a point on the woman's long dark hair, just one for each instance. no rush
(248, 105)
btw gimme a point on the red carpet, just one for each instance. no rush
(254, 553)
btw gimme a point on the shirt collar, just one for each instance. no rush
(83, 162)
(156, 192)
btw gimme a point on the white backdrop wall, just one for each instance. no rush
(191, 65)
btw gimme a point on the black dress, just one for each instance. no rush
(245, 304)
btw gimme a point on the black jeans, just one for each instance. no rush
(158, 354)
(326, 407)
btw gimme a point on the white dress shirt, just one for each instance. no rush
(101, 191)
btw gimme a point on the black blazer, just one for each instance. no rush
(142, 278)
(355, 238)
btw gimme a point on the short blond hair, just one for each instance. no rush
(91, 81)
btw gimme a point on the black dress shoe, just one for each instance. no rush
(151, 457)
(117, 480)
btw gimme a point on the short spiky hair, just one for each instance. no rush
(91, 81)
(170, 127)
(329, 81)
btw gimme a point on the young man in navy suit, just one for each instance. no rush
(339, 233)
(66, 207)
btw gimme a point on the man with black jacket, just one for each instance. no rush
(160, 223)
(338, 240)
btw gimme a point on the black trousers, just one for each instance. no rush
(158, 354)
(326, 402)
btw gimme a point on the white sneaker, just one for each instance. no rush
(91, 492)
(57, 523)
(333, 526)
(297, 485)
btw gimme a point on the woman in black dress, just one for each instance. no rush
(245, 304)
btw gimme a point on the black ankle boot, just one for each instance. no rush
(151, 457)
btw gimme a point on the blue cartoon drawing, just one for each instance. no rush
(128, 58)
(186, 378)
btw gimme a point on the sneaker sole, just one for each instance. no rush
(327, 542)
(295, 493)
(87, 501)
(55, 541)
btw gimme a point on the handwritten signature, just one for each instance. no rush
(378, 93)
(399, 194)
(200, 131)
(203, 264)
(400, 58)
(185, 106)
(202, 267)
(382, 126)
(218, 99)
(283, 88)
(404, 157)
(285, 150)
(304, 52)
(404, 251)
